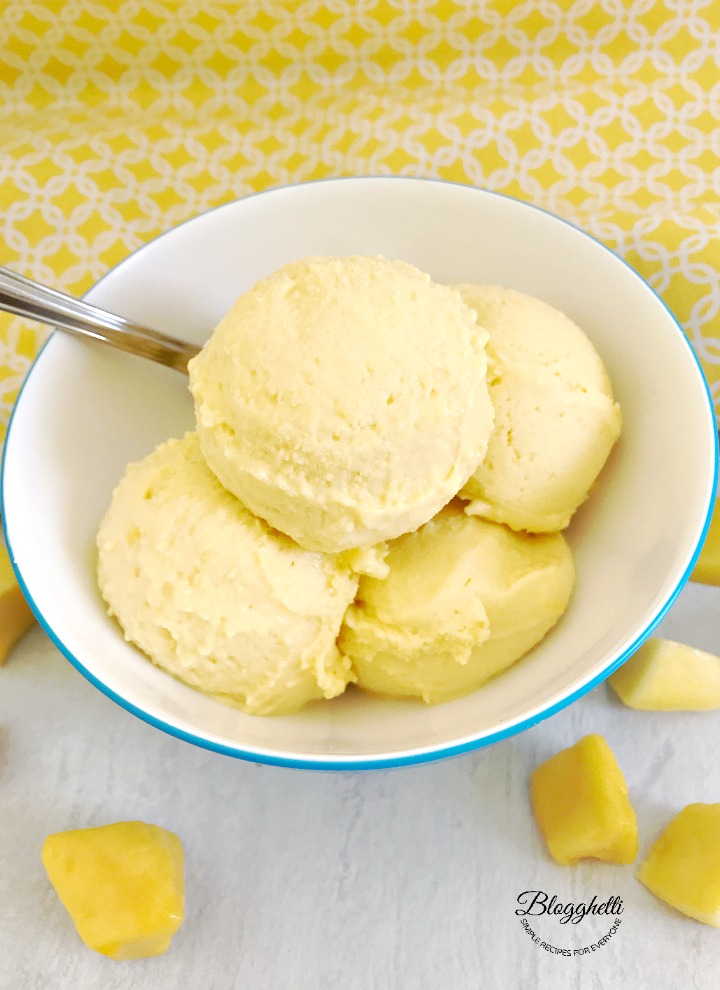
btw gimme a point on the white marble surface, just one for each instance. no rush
(305, 881)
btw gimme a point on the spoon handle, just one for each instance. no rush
(24, 297)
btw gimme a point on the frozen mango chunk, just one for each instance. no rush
(581, 805)
(707, 569)
(683, 867)
(668, 676)
(122, 885)
(15, 614)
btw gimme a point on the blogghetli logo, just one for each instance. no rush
(534, 903)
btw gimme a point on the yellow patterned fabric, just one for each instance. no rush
(121, 119)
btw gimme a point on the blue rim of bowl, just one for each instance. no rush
(416, 757)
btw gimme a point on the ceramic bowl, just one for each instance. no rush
(86, 411)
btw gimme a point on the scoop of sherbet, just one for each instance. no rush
(464, 599)
(213, 595)
(344, 400)
(555, 417)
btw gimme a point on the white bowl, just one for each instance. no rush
(85, 411)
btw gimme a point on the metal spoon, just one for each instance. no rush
(23, 297)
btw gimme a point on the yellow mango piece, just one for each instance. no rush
(581, 805)
(16, 617)
(122, 885)
(707, 569)
(667, 676)
(683, 867)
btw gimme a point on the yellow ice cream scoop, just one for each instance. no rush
(213, 595)
(344, 400)
(464, 599)
(555, 417)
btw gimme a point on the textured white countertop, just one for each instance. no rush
(355, 881)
